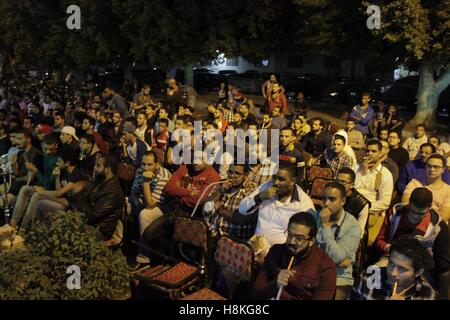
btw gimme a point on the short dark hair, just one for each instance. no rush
(165, 121)
(366, 94)
(246, 167)
(59, 114)
(337, 186)
(398, 132)
(436, 137)
(25, 132)
(305, 219)
(239, 113)
(340, 137)
(375, 142)
(131, 120)
(118, 112)
(351, 119)
(89, 138)
(412, 249)
(288, 129)
(50, 139)
(421, 197)
(90, 119)
(427, 144)
(349, 171)
(289, 167)
(111, 162)
(151, 154)
(383, 128)
(440, 157)
(67, 155)
(182, 118)
(321, 122)
(421, 125)
(141, 112)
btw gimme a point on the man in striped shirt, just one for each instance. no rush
(335, 157)
(147, 194)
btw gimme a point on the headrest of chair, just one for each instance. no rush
(191, 231)
(235, 255)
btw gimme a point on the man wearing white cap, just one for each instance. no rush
(69, 139)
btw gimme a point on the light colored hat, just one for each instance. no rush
(70, 130)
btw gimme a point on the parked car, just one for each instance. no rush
(204, 82)
(226, 73)
(344, 91)
(443, 108)
(293, 84)
(247, 82)
(403, 96)
(154, 77)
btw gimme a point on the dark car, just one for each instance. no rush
(376, 89)
(226, 73)
(293, 84)
(404, 96)
(154, 77)
(404, 93)
(443, 108)
(204, 82)
(344, 91)
(247, 82)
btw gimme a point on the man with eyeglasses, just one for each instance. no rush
(416, 169)
(221, 209)
(417, 219)
(338, 235)
(387, 162)
(312, 275)
(435, 167)
(355, 204)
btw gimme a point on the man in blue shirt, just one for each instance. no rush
(363, 114)
(415, 169)
(338, 235)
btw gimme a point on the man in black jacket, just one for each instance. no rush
(103, 200)
(357, 205)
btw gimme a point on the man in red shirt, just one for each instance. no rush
(161, 140)
(418, 220)
(312, 275)
(188, 183)
(277, 99)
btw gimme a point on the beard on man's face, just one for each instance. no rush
(99, 177)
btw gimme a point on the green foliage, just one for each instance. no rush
(419, 27)
(39, 272)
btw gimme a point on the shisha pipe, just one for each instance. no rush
(204, 192)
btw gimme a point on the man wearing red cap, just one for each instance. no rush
(42, 130)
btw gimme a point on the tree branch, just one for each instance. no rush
(443, 80)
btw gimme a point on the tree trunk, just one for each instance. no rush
(428, 94)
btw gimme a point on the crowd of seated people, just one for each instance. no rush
(384, 208)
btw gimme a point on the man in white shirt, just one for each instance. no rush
(277, 200)
(412, 144)
(375, 182)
